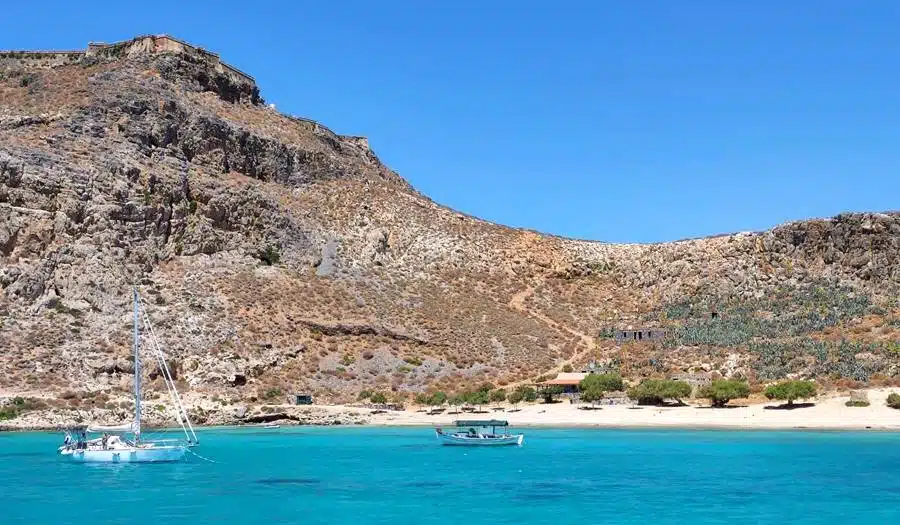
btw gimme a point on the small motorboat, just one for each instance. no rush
(478, 433)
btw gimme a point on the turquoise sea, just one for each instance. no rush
(401, 475)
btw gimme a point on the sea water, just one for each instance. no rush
(402, 475)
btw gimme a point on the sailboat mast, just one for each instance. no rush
(137, 371)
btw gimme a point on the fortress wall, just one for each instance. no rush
(141, 45)
(38, 59)
(166, 44)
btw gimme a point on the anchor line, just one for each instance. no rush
(203, 458)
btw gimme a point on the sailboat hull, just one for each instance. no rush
(129, 455)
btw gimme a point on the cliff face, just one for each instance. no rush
(275, 255)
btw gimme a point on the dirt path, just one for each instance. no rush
(518, 302)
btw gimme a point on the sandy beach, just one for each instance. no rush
(828, 413)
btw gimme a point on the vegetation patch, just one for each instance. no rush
(790, 391)
(656, 391)
(721, 391)
(893, 400)
(789, 312)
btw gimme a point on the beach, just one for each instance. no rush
(827, 412)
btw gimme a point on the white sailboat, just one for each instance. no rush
(124, 443)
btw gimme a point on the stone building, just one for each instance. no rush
(641, 334)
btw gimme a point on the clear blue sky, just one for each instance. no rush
(610, 120)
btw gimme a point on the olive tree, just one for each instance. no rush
(721, 391)
(498, 396)
(516, 397)
(656, 391)
(594, 386)
(550, 392)
(791, 390)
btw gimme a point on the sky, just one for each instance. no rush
(637, 121)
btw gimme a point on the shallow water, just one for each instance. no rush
(401, 475)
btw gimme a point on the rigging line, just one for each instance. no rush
(160, 359)
(166, 380)
(167, 375)
(203, 458)
(170, 388)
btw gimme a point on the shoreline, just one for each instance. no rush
(825, 413)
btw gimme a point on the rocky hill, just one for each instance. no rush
(277, 256)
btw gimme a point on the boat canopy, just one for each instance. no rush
(124, 427)
(482, 423)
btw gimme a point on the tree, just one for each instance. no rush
(656, 391)
(498, 396)
(566, 368)
(437, 399)
(529, 393)
(791, 390)
(721, 391)
(592, 393)
(457, 400)
(516, 397)
(594, 386)
(422, 399)
(893, 400)
(605, 382)
(378, 398)
(549, 392)
(479, 398)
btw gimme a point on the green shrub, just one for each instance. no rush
(365, 394)
(515, 397)
(893, 400)
(458, 399)
(852, 403)
(550, 392)
(605, 382)
(529, 394)
(721, 391)
(498, 396)
(567, 368)
(378, 398)
(592, 393)
(270, 255)
(8, 412)
(656, 391)
(791, 390)
(272, 393)
(437, 399)
(594, 386)
(478, 398)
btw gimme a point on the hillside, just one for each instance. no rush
(277, 256)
